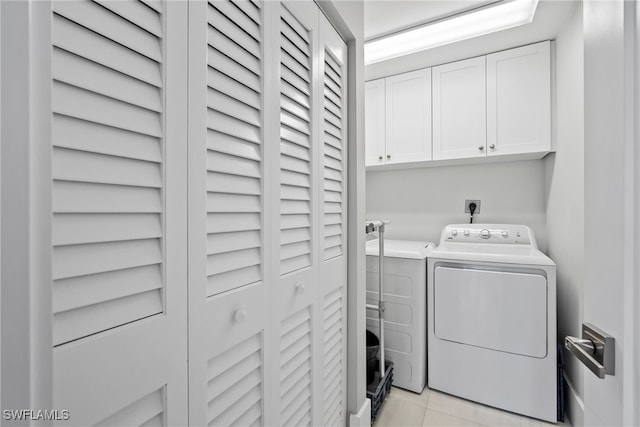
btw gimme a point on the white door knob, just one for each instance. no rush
(299, 288)
(240, 314)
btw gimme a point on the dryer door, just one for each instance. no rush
(495, 310)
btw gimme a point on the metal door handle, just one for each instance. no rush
(481, 148)
(596, 349)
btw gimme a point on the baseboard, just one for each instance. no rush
(363, 417)
(574, 404)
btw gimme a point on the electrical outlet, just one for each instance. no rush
(467, 202)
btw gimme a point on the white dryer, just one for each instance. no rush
(492, 319)
(405, 294)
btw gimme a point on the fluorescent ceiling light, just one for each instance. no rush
(483, 21)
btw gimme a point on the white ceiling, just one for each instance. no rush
(382, 17)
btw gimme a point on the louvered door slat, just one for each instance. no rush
(76, 197)
(233, 241)
(289, 76)
(233, 107)
(148, 408)
(333, 358)
(91, 76)
(107, 168)
(90, 106)
(251, 9)
(110, 25)
(294, 150)
(293, 207)
(295, 94)
(296, 144)
(233, 70)
(226, 25)
(239, 15)
(223, 183)
(295, 359)
(92, 46)
(154, 4)
(232, 126)
(135, 11)
(234, 147)
(102, 316)
(295, 235)
(295, 137)
(233, 203)
(333, 146)
(82, 166)
(232, 165)
(75, 229)
(228, 144)
(81, 291)
(295, 109)
(225, 44)
(234, 386)
(79, 260)
(69, 132)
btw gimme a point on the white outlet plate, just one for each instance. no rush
(467, 202)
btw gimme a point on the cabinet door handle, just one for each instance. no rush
(388, 156)
(379, 157)
(492, 146)
(481, 148)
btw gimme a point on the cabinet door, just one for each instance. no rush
(374, 122)
(459, 110)
(119, 212)
(408, 117)
(519, 100)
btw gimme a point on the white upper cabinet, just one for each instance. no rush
(374, 122)
(518, 100)
(408, 117)
(459, 110)
(465, 111)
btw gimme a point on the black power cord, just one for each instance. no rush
(472, 209)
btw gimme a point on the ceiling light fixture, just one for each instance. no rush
(483, 21)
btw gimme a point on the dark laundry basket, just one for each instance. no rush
(373, 346)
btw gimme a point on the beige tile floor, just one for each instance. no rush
(432, 408)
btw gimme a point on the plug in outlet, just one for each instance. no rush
(468, 202)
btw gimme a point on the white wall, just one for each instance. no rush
(565, 200)
(420, 202)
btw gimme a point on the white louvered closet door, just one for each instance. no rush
(227, 290)
(119, 216)
(331, 300)
(296, 233)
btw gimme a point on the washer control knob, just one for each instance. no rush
(454, 233)
(505, 234)
(466, 233)
(485, 234)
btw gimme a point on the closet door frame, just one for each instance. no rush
(26, 293)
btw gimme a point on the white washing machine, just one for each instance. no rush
(405, 294)
(492, 319)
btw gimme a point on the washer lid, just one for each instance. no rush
(409, 249)
(505, 254)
